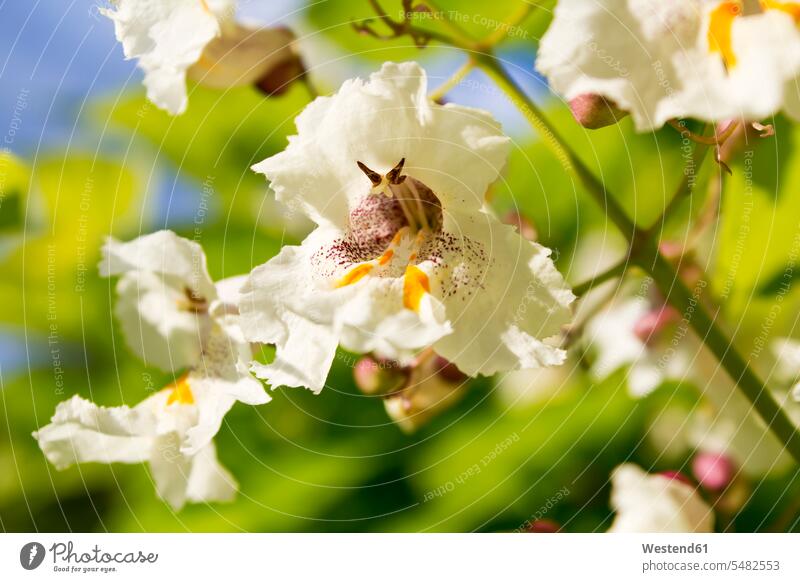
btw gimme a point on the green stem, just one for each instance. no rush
(685, 188)
(645, 252)
(643, 249)
(715, 340)
(512, 22)
(555, 142)
(458, 34)
(454, 80)
(616, 271)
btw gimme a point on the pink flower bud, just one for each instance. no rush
(448, 371)
(714, 471)
(677, 476)
(594, 111)
(377, 376)
(654, 321)
(671, 249)
(525, 227)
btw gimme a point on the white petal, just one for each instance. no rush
(155, 325)
(167, 36)
(228, 290)
(303, 356)
(170, 469)
(375, 320)
(787, 359)
(455, 151)
(208, 480)
(644, 377)
(217, 382)
(656, 504)
(196, 478)
(287, 304)
(504, 299)
(180, 261)
(610, 334)
(82, 432)
(653, 59)
(614, 343)
(281, 305)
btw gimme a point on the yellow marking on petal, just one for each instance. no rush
(790, 8)
(397, 236)
(720, 31)
(415, 286)
(417, 242)
(205, 6)
(386, 257)
(354, 275)
(181, 392)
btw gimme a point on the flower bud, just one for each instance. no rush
(524, 226)
(671, 249)
(595, 111)
(448, 371)
(278, 80)
(262, 57)
(378, 376)
(714, 471)
(434, 386)
(654, 321)
(677, 476)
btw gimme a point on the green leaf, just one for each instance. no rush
(47, 282)
(759, 237)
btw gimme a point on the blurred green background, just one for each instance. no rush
(89, 157)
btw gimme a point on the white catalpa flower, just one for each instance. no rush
(173, 316)
(198, 39)
(404, 255)
(154, 431)
(708, 59)
(656, 345)
(647, 503)
(786, 352)
(728, 425)
(631, 332)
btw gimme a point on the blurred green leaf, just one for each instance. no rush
(759, 236)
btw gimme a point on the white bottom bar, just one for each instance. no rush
(401, 557)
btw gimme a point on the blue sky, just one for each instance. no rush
(58, 52)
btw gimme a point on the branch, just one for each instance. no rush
(645, 253)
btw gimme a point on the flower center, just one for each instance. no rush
(192, 302)
(420, 208)
(180, 391)
(388, 231)
(720, 28)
